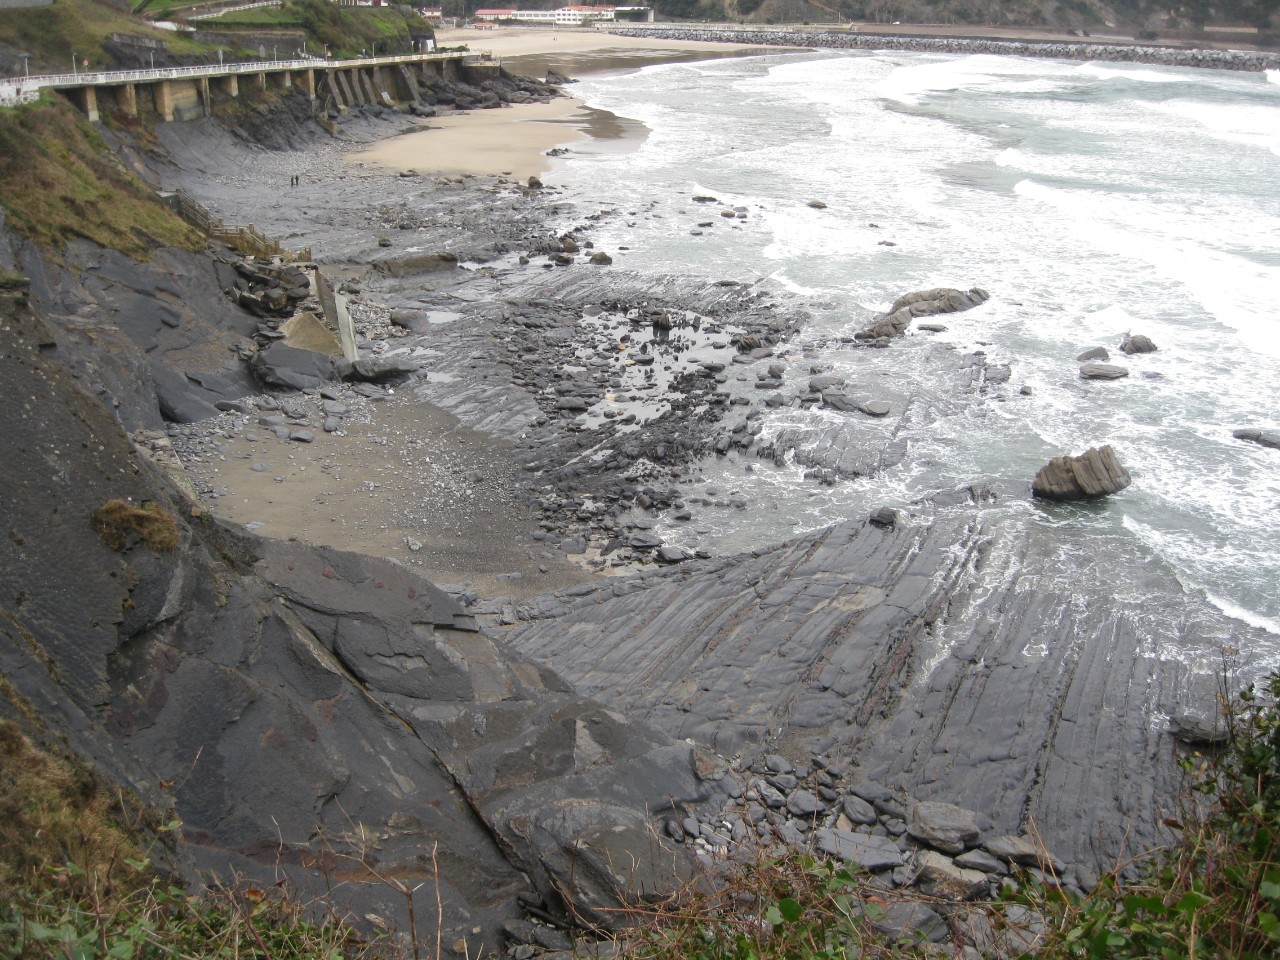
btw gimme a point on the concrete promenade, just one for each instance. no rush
(184, 92)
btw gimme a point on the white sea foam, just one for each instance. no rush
(1273, 76)
(1150, 75)
(1179, 240)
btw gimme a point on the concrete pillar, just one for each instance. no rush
(88, 100)
(407, 83)
(334, 90)
(348, 96)
(309, 78)
(370, 92)
(286, 80)
(206, 99)
(164, 99)
(261, 79)
(127, 98)
(231, 84)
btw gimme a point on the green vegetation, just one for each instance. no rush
(77, 881)
(1214, 892)
(58, 180)
(118, 522)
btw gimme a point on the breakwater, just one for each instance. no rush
(1253, 61)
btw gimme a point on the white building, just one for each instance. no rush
(565, 16)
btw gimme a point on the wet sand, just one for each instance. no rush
(514, 141)
(511, 142)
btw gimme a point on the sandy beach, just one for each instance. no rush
(514, 141)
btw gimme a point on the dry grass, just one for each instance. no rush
(54, 812)
(119, 522)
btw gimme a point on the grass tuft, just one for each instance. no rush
(118, 522)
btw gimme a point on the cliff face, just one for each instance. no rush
(304, 712)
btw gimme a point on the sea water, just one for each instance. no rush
(1089, 200)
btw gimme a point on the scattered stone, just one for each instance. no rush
(1096, 353)
(817, 204)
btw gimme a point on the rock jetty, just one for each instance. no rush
(845, 40)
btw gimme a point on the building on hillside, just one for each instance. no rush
(565, 16)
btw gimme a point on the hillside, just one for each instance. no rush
(102, 34)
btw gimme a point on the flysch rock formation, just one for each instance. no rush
(1095, 473)
(937, 656)
(306, 713)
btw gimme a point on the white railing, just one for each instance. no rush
(98, 78)
(236, 8)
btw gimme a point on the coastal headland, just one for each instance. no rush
(420, 620)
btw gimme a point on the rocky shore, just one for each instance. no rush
(1254, 61)
(923, 692)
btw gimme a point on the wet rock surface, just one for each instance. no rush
(1095, 473)
(292, 703)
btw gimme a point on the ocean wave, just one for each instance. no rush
(1152, 75)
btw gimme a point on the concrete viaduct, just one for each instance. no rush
(185, 93)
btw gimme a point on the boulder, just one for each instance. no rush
(1137, 343)
(940, 877)
(1097, 353)
(943, 826)
(1093, 370)
(376, 371)
(839, 401)
(1265, 438)
(921, 303)
(292, 368)
(1020, 850)
(874, 408)
(867, 851)
(1095, 473)
(414, 263)
(1198, 728)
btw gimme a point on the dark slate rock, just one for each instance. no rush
(859, 811)
(940, 877)
(1019, 850)
(1265, 438)
(943, 826)
(1138, 343)
(910, 921)
(1095, 473)
(869, 852)
(177, 399)
(921, 303)
(291, 368)
(368, 370)
(839, 401)
(824, 382)
(1094, 353)
(981, 860)
(875, 408)
(802, 803)
(777, 763)
(1102, 371)
(1198, 728)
